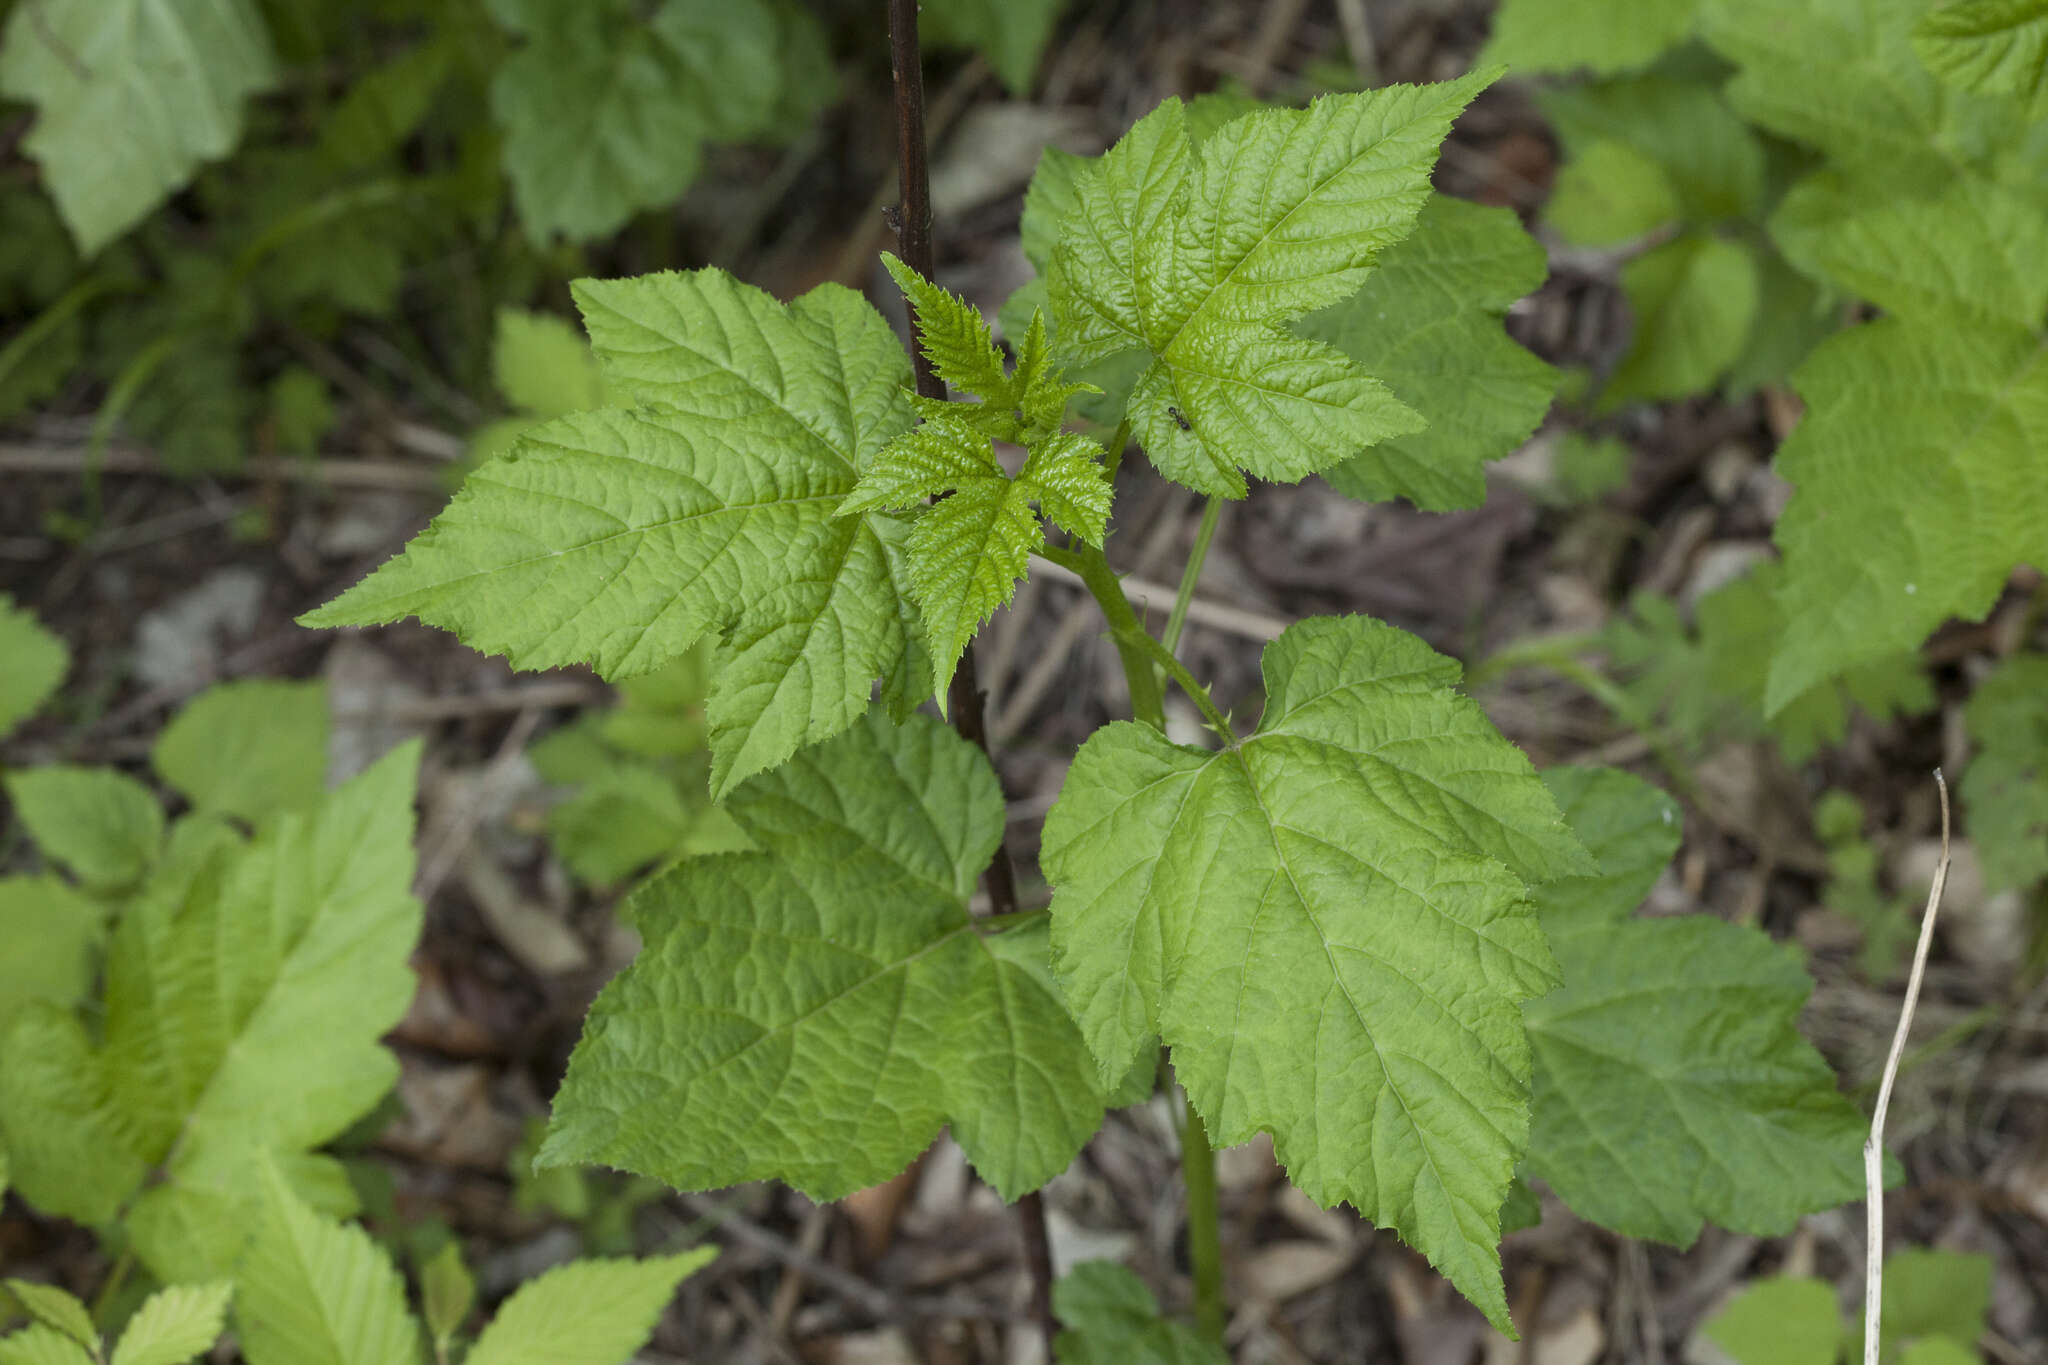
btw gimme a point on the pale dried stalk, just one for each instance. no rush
(1873, 1146)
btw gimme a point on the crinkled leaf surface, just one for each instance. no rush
(1328, 924)
(1109, 1317)
(1871, 108)
(1921, 483)
(969, 550)
(131, 96)
(815, 1011)
(585, 1313)
(316, 1292)
(1602, 36)
(175, 1324)
(1989, 47)
(36, 662)
(249, 748)
(605, 112)
(1428, 322)
(100, 824)
(245, 1001)
(1198, 258)
(617, 538)
(1672, 1084)
(2005, 788)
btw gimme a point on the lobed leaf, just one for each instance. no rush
(815, 1011)
(1694, 300)
(1199, 258)
(1919, 487)
(605, 112)
(1428, 322)
(618, 538)
(247, 990)
(586, 1312)
(119, 127)
(1328, 923)
(1671, 1083)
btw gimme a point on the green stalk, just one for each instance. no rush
(1142, 656)
(1205, 1224)
(1177, 619)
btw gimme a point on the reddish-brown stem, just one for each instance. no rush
(964, 697)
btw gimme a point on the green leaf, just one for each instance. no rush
(814, 1012)
(1010, 33)
(386, 105)
(173, 1325)
(1989, 47)
(1610, 193)
(953, 335)
(1585, 469)
(1428, 322)
(314, 1292)
(2005, 788)
(1328, 925)
(543, 366)
(1930, 1293)
(56, 1308)
(1872, 109)
(121, 125)
(620, 821)
(1711, 160)
(606, 113)
(1871, 241)
(244, 1006)
(1939, 1351)
(41, 1345)
(447, 1293)
(249, 749)
(618, 538)
(1602, 36)
(101, 825)
(1918, 489)
(6, 1172)
(1672, 1085)
(1199, 258)
(53, 936)
(36, 663)
(1693, 300)
(66, 1137)
(1109, 1317)
(969, 550)
(300, 409)
(1780, 1321)
(586, 1312)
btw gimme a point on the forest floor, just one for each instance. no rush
(189, 582)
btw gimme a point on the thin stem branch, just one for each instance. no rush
(1873, 1146)
(964, 697)
(1205, 1223)
(1148, 703)
(1177, 619)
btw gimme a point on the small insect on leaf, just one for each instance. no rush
(1175, 414)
